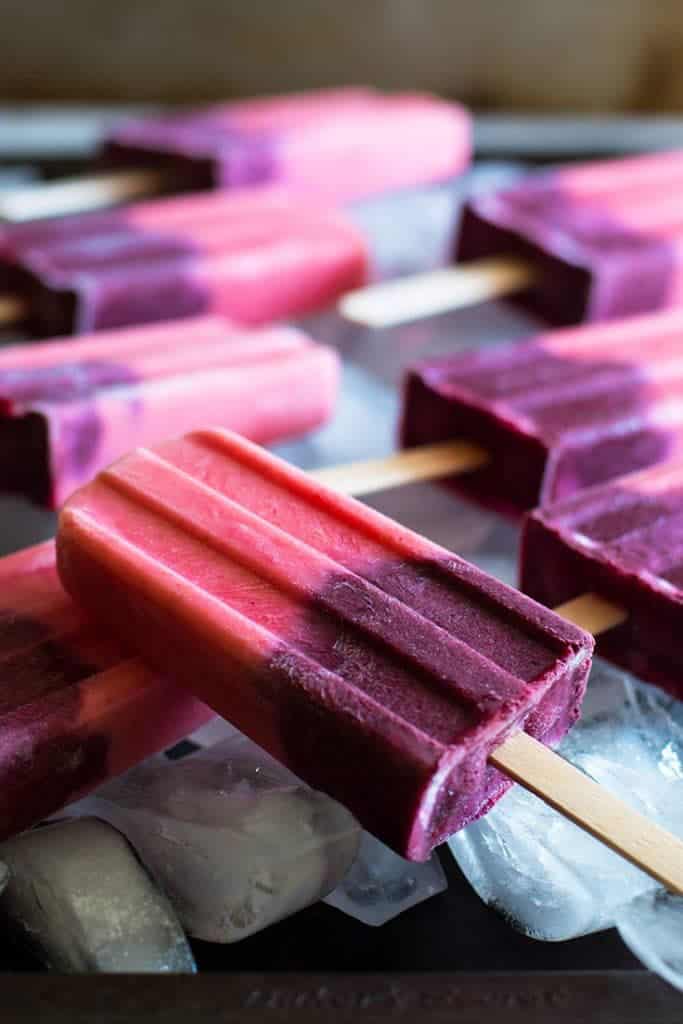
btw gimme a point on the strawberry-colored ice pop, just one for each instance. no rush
(68, 408)
(336, 144)
(251, 255)
(378, 666)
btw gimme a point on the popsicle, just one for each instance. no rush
(624, 541)
(74, 708)
(562, 411)
(578, 243)
(68, 408)
(251, 255)
(381, 668)
(342, 144)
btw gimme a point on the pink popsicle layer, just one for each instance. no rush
(380, 667)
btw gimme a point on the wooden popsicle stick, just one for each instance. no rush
(558, 783)
(12, 310)
(409, 466)
(412, 298)
(78, 195)
(592, 613)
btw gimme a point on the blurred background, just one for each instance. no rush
(620, 55)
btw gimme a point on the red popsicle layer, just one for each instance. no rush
(74, 708)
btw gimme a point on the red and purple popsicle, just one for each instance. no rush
(563, 411)
(575, 244)
(336, 144)
(68, 408)
(623, 541)
(75, 709)
(379, 667)
(253, 256)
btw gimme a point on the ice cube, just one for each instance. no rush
(381, 885)
(233, 838)
(81, 901)
(652, 927)
(547, 876)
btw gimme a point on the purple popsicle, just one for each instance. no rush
(562, 411)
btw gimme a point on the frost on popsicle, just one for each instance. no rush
(79, 899)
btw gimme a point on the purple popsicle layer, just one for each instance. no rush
(69, 408)
(380, 667)
(253, 256)
(563, 411)
(341, 144)
(623, 541)
(74, 708)
(605, 239)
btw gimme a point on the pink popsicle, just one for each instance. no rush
(252, 255)
(605, 239)
(69, 408)
(624, 541)
(340, 144)
(562, 411)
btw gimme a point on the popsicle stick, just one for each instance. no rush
(593, 808)
(78, 195)
(411, 298)
(592, 613)
(12, 310)
(425, 463)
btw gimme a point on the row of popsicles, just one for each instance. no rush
(317, 626)
(541, 419)
(435, 727)
(580, 243)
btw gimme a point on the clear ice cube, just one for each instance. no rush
(381, 885)
(652, 927)
(81, 901)
(232, 837)
(547, 876)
